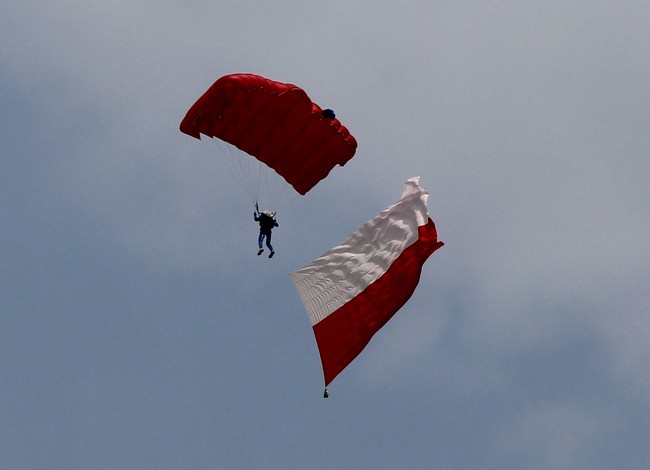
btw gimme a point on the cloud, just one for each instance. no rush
(554, 437)
(527, 124)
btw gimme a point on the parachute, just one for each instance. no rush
(274, 122)
(352, 290)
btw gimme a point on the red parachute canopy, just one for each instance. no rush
(274, 122)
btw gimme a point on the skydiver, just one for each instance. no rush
(267, 222)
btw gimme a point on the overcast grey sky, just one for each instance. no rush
(140, 331)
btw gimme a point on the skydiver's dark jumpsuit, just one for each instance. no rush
(266, 226)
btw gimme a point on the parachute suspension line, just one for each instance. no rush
(272, 190)
(234, 160)
(259, 177)
(243, 164)
(259, 183)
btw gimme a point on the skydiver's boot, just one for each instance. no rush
(260, 251)
(271, 254)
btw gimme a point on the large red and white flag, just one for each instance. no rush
(351, 291)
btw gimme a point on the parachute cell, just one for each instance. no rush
(352, 290)
(274, 122)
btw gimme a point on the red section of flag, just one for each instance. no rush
(343, 334)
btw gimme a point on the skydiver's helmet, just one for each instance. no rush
(329, 114)
(268, 214)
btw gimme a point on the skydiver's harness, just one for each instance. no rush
(266, 223)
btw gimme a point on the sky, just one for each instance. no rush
(139, 330)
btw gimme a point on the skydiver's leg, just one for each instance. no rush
(260, 239)
(268, 241)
